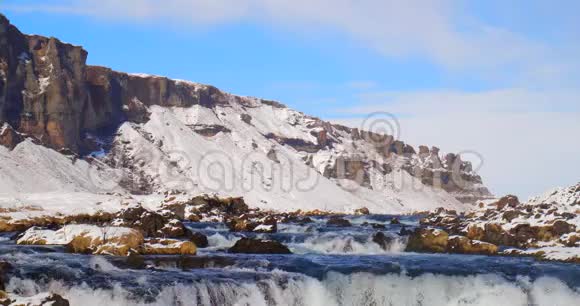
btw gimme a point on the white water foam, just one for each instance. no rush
(330, 243)
(327, 243)
(296, 229)
(99, 263)
(219, 241)
(337, 289)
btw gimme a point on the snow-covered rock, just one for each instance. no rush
(547, 226)
(87, 239)
(158, 246)
(554, 253)
(42, 299)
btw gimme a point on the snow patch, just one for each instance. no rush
(67, 233)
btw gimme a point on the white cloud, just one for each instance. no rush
(527, 146)
(440, 30)
(194, 12)
(446, 101)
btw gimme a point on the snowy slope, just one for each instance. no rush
(273, 156)
(32, 168)
(168, 152)
(565, 198)
(236, 163)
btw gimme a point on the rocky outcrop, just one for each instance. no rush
(206, 206)
(451, 174)
(43, 89)
(14, 71)
(210, 130)
(48, 92)
(296, 143)
(546, 227)
(43, 92)
(353, 168)
(151, 224)
(507, 222)
(9, 137)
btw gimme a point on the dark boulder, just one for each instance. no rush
(246, 118)
(258, 246)
(510, 215)
(5, 268)
(55, 300)
(362, 211)
(494, 233)
(132, 214)
(428, 240)
(9, 137)
(199, 239)
(382, 240)
(508, 200)
(150, 223)
(568, 216)
(175, 210)
(337, 221)
(240, 224)
(562, 227)
(523, 235)
(172, 229)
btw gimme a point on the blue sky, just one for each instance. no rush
(314, 73)
(499, 79)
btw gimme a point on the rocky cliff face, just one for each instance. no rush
(43, 87)
(47, 92)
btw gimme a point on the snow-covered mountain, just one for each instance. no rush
(69, 130)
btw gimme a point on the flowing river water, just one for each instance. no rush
(330, 266)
